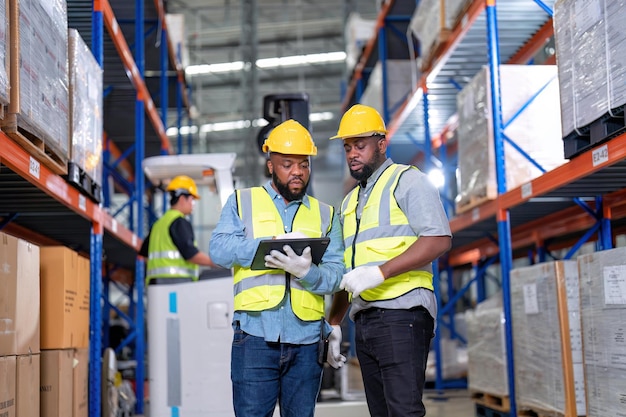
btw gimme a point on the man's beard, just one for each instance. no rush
(283, 189)
(368, 169)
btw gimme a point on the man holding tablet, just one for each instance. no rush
(279, 310)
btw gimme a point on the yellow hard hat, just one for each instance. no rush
(290, 138)
(184, 185)
(360, 121)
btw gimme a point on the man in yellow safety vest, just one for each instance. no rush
(394, 227)
(279, 311)
(170, 247)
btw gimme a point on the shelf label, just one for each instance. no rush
(134, 240)
(615, 284)
(531, 303)
(527, 190)
(475, 214)
(34, 167)
(600, 155)
(82, 202)
(114, 225)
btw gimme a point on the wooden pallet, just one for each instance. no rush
(526, 412)
(47, 154)
(436, 48)
(493, 401)
(473, 201)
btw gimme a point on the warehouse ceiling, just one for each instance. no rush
(226, 31)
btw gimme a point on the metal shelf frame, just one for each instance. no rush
(575, 199)
(77, 221)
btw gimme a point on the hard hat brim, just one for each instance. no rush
(361, 135)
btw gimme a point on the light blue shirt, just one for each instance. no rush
(229, 247)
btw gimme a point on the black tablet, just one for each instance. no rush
(318, 247)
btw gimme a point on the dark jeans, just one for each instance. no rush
(392, 348)
(264, 373)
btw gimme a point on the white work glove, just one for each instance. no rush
(361, 278)
(334, 356)
(293, 235)
(297, 266)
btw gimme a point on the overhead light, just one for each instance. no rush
(237, 125)
(268, 63)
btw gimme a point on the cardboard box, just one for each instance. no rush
(59, 298)
(19, 304)
(547, 339)
(8, 374)
(80, 399)
(27, 386)
(81, 339)
(603, 315)
(57, 384)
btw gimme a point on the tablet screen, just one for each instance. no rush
(318, 247)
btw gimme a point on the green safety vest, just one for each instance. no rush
(382, 234)
(164, 258)
(265, 289)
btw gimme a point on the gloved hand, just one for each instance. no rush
(361, 278)
(334, 356)
(297, 266)
(293, 235)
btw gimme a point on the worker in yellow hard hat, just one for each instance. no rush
(394, 227)
(279, 328)
(173, 256)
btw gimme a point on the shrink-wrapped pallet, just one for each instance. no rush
(590, 41)
(486, 350)
(431, 24)
(38, 111)
(86, 108)
(536, 130)
(4, 53)
(357, 33)
(547, 346)
(399, 85)
(603, 313)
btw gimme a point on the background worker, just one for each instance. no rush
(170, 246)
(394, 227)
(279, 313)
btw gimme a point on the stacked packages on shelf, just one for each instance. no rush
(603, 313)
(486, 351)
(590, 40)
(39, 97)
(536, 130)
(357, 33)
(547, 344)
(86, 111)
(4, 66)
(19, 327)
(431, 24)
(400, 83)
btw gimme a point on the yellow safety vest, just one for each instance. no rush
(164, 258)
(382, 233)
(265, 289)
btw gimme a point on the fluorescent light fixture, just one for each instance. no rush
(236, 125)
(268, 63)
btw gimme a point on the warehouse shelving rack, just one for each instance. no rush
(42, 207)
(562, 208)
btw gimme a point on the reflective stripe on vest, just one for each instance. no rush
(382, 233)
(164, 258)
(265, 289)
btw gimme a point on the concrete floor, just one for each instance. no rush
(450, 403)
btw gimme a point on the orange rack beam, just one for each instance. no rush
(29, 168)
